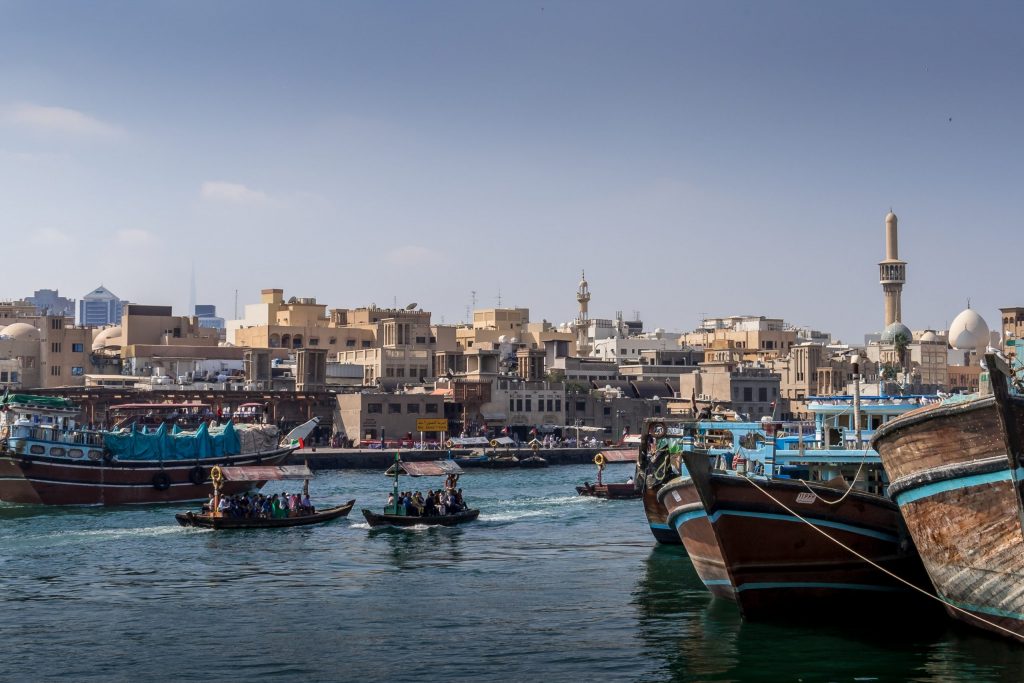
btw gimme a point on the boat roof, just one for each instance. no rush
(624, 455)
(266, 472)
(435, 468)
(146, 406)
(41, 402)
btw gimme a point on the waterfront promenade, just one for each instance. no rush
(322, 458)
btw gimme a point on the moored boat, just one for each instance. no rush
(46, 458)
(955, 471)
(613, 491)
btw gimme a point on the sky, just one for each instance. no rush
(717, 158)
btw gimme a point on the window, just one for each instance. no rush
(36, 449)
(389, 372)
(55, 371)
(657, 410)
(511, 404)
(748, 394)
(432, 408)
(529, 405)
(314, 341)
(373, 407)
(56, 323)
(77, 348)
(551, 405)
(581, 406)
(57, 451)
(3, 376)
(351, 343)
(762, 394)
(519, 405)
(607, 410)
(421, 340)
(413, 408)
(77, 371)
(331, 341)
(366, 344)
(55, 347)
(433, 340)
(399, 372)
(394, 409)
(558, 405)
(75, 453)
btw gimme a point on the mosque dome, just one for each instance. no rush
(897, 332)
(111, 336)
(21, 332)
(929, 336)
(968, 331)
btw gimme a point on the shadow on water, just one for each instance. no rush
(696, 637)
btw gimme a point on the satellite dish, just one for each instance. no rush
(411, 306)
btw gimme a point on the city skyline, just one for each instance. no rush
(719, 160)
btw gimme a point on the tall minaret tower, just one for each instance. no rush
(583, 296)
(892, 273)
(583, 320)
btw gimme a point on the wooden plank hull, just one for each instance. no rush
(376, 519)
(748, 548)
(657, 518)
(609, 491)
(44, 480)
(952, 478)
(208, 521)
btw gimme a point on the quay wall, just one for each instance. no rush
(367, 458)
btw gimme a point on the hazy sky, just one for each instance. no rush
(717, 158)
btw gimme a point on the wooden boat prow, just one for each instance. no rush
(208, 521)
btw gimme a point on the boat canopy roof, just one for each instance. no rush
(435, 468)
(624, 455)
(41, 402)
(458, 441)
(266, 472)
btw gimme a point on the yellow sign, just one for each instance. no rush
(431, 425)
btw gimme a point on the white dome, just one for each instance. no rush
(968, 332)
(21, 331)
(108, 337)
(502, 339)
(929, 336)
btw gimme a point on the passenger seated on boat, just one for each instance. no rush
(417, 501)
(409, 509)
(307, 505)
(429, 504)
(224, 506)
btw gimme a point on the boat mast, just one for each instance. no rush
(856, 400)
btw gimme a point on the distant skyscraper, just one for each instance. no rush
(100, 307)
(49, 301)
(207, 315)
(892, 273)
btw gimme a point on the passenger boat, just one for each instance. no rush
(653, 469)
(47, 458)
(211, 519)
(613, 491)
(395, 515)
(765, 516)
(956, 472)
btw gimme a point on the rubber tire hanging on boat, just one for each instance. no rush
(161, 482)
(108, 457)
(197, 475)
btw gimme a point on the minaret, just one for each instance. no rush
(583, 321)
(583, 296)
(892, 273)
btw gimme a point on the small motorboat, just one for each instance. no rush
(610, 491)
(212, 519)
(533, 461)
(395, 514)
(207, 520)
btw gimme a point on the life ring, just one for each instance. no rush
(449, 443)
(599, 460)
(494, 443)
(216, 475)
(161, 482)
(658, 429)
(197, 475)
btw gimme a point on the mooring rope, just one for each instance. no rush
(842, 497)
(879, 567)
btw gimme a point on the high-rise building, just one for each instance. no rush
(100, 307)
(207, 315)
(50, 302)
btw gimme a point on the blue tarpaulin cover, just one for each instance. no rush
(174, 444)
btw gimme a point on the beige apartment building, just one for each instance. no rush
(491, 324)
(362, 416)
(47, 351)
(759, 338)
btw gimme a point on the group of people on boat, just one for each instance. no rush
(260, 506)
(415, 504)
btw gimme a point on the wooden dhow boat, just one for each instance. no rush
(395, 514)
(47, 458)
(776, 515)
(957, 474)
(212, 519)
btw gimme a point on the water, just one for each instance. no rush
(545, 586)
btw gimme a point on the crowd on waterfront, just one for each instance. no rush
(415, 504)
(260, 506)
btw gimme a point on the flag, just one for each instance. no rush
(533, 432)
(504, 430)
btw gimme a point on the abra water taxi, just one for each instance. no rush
(397, 515)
